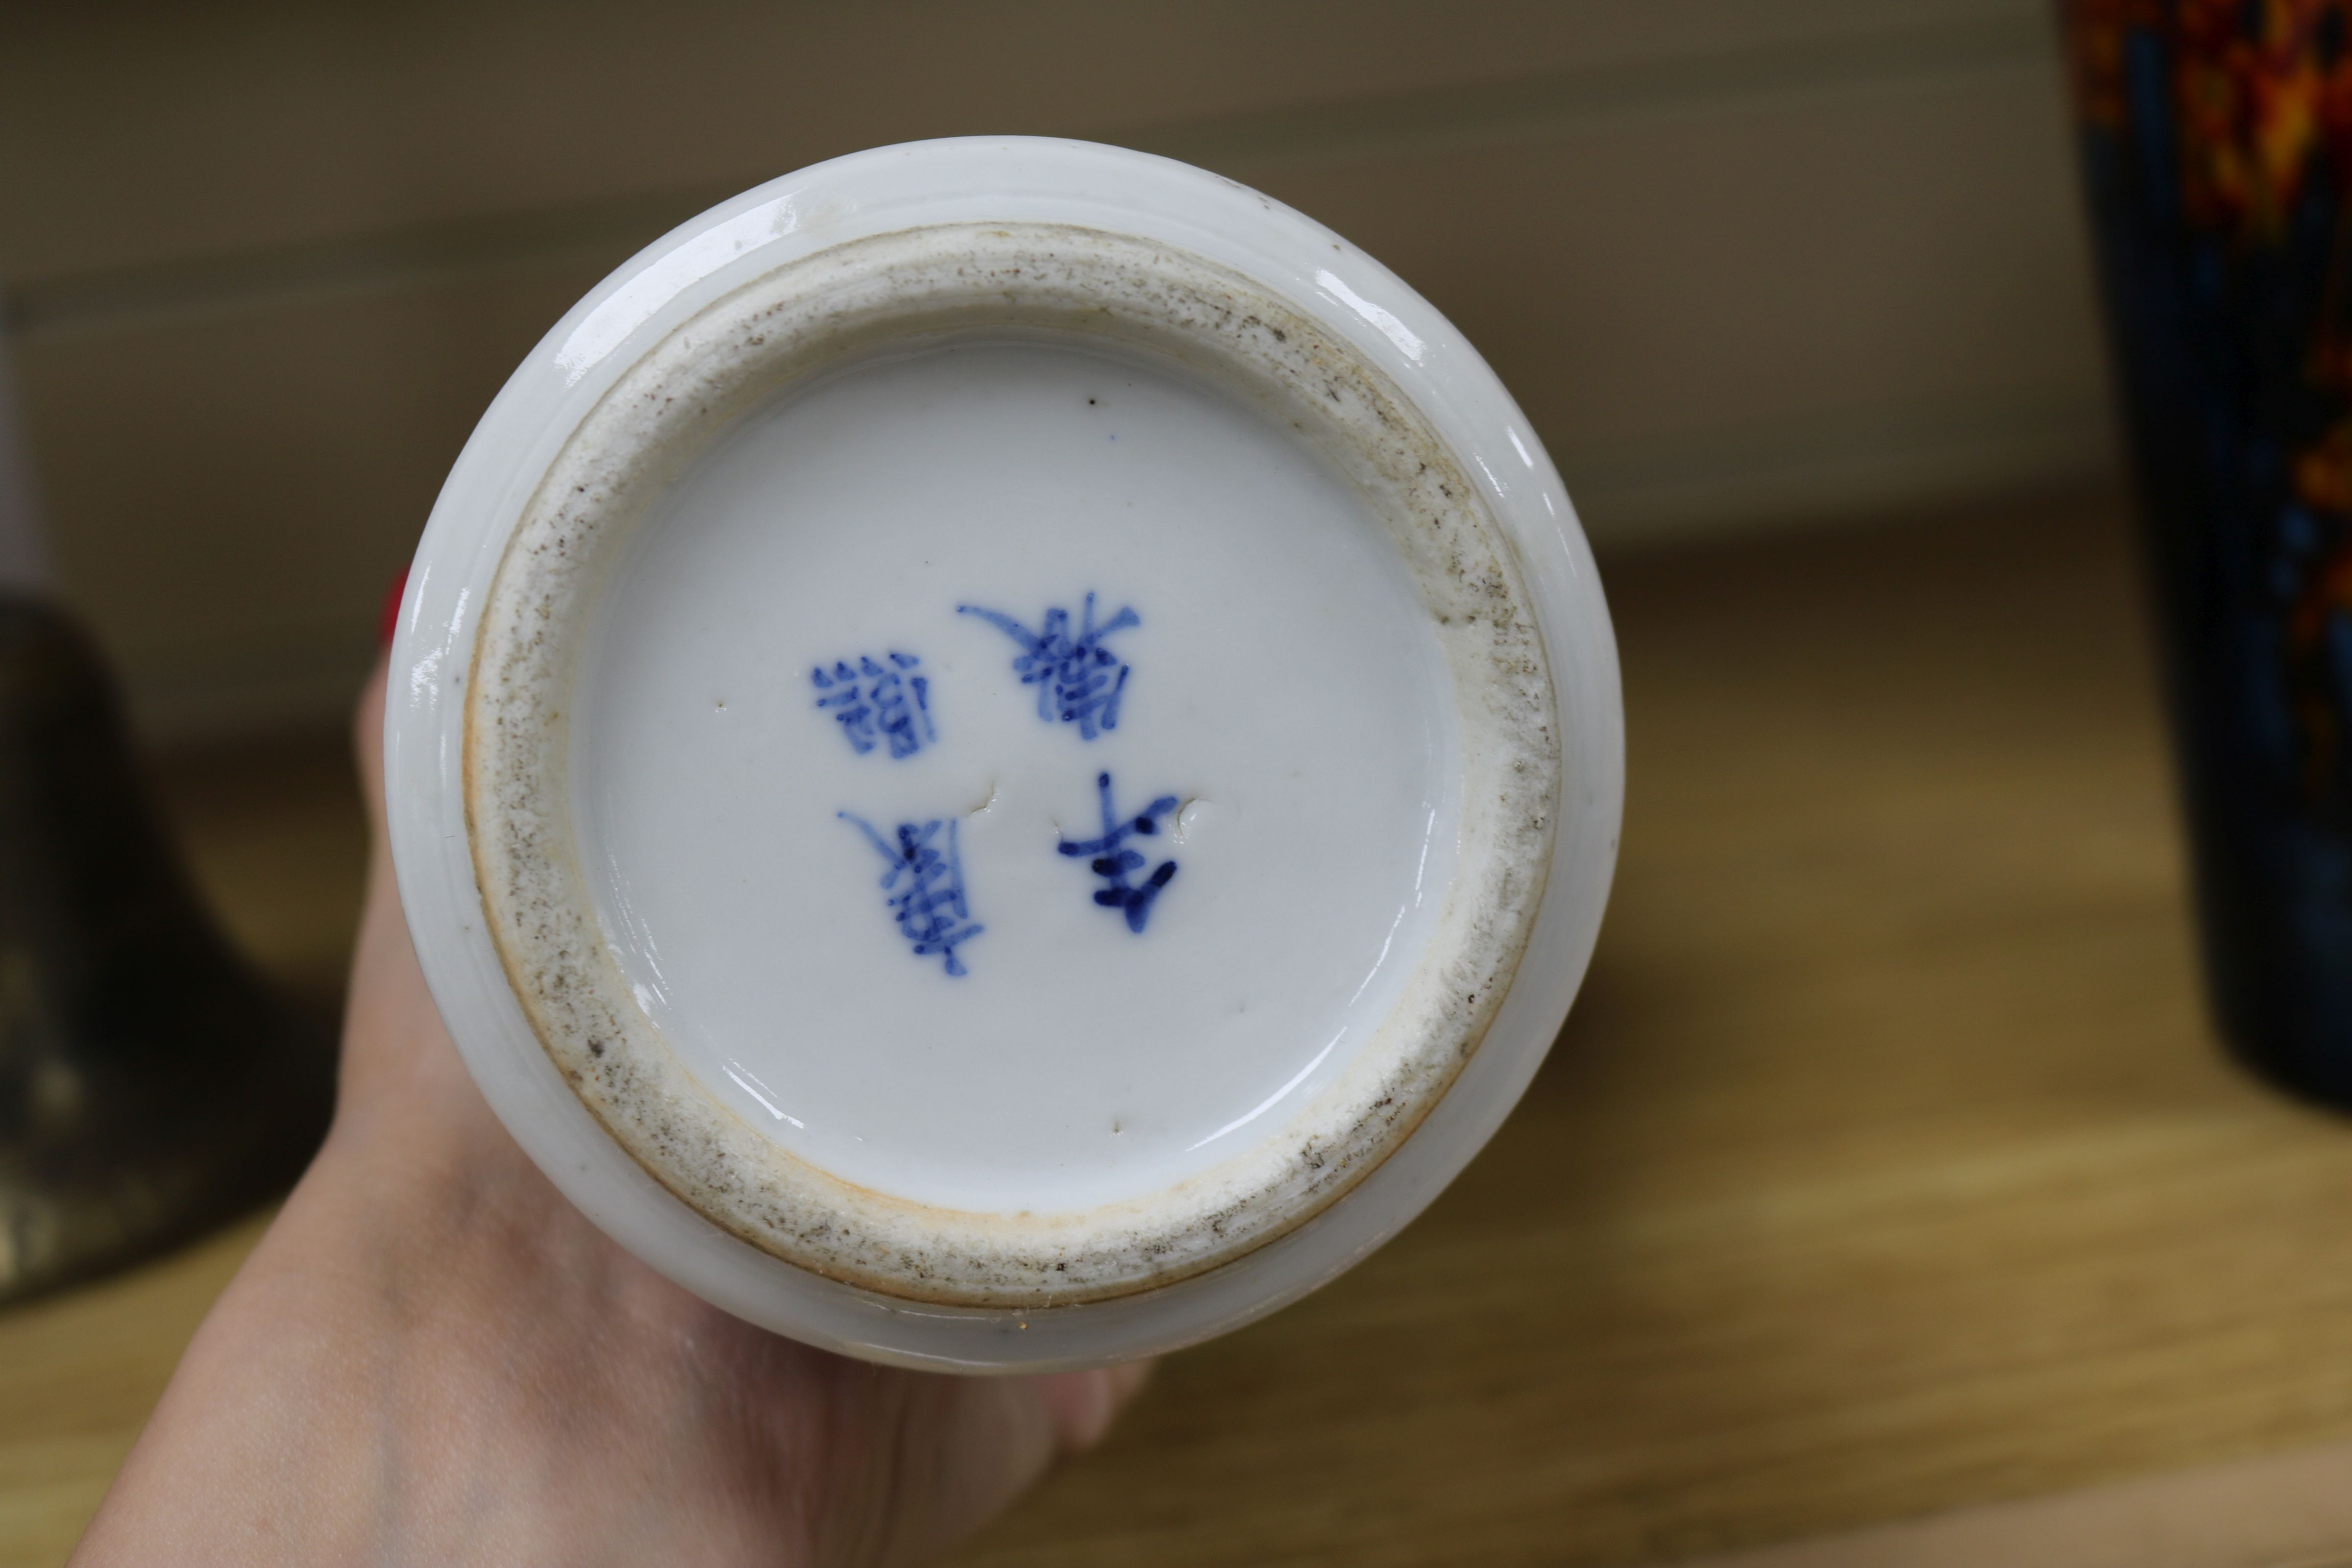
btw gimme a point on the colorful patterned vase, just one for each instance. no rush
(2216, 140)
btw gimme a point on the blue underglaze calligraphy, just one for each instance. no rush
(1109, 858)
(925, 887)
(1079, 680)
(877, 702)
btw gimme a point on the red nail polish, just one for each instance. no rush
(390, 621)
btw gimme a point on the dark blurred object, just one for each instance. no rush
(2217, 139)
(149, 1086)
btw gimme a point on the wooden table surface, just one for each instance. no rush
(1886, 1165)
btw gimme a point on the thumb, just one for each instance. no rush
(967, 1446)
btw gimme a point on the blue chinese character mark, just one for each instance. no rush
(925, 882)
(877, 702)
(1078, 681)
(1109, 858)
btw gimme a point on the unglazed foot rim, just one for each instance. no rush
(827, 309)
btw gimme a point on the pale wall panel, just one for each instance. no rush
(136, 133)
(1742, 262)
(233, 494)
(1647, 276)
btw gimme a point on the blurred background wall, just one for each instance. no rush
(1745, 263)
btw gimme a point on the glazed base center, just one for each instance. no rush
(1013, 776)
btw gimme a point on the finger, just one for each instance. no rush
(965, 1448)
(1082, 1404)
(367, 740)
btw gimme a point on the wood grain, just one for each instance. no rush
(78, 1374)
(1886, 1166)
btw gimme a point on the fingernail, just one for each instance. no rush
(1126, 1381)
(1090, 1422)
(390, 621)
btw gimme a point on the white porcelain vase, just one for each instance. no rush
(1004, 755)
